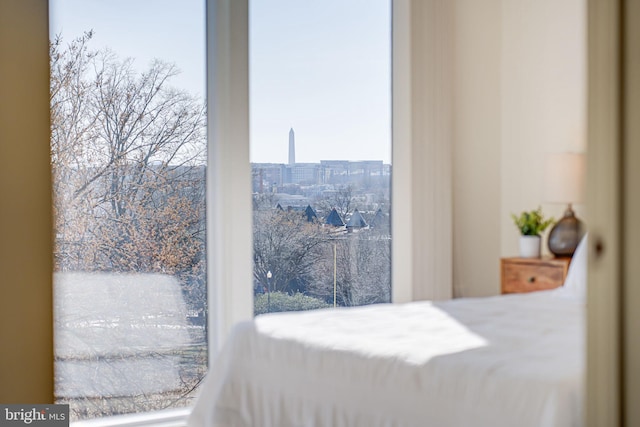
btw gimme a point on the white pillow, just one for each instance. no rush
(575, 284)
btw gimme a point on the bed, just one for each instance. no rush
(513, 360)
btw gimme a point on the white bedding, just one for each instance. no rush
(515, 360)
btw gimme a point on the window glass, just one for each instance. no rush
(320, 99)
(128, 153)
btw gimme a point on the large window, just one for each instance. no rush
(320, 99)
(128, 153)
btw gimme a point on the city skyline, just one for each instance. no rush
(291, 159)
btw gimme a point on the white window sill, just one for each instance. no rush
(164, 418)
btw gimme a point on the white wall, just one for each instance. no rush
(520, 93)
(543, 99)
(476, 151)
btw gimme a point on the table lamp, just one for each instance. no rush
(564, 183)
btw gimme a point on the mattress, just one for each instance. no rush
(512, 360)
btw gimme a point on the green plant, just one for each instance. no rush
(531, 223)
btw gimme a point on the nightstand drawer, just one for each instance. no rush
(528, 275)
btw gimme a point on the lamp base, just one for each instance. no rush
(566, 234)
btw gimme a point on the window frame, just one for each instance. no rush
(229, 221)
(421, 189)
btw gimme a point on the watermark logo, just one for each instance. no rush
(34, 415)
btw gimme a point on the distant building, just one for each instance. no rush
(334, 219)
(356, 221)
(304, 173)
(364, 173)
(266, 176)
(311, 214)
(349, 172)
(295, 201)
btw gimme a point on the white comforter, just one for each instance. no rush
(510, 361)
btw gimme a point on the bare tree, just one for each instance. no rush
(286, 244)
(361, 266)
(128, 158)
(343, 200)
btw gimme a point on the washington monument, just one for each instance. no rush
(292, 148)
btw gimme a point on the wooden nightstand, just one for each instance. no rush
(532, 274)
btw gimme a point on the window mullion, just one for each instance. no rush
(228, 175)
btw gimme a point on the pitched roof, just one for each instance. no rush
(356, 220)
(310, 213)
(379, 219)
(334, 219)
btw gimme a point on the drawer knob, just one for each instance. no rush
(531, 279)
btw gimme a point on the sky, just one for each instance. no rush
(322, 68)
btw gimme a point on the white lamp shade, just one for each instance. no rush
(565, 175)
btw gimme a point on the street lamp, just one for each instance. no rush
(335, 271)
(269, 291)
